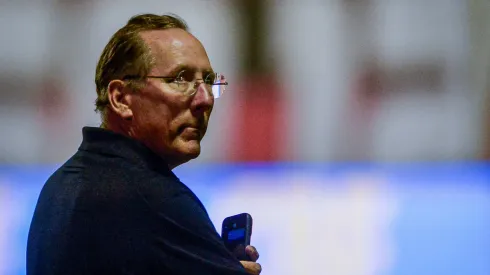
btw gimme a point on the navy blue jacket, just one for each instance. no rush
(116, 208)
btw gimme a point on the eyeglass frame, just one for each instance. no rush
(195, 86)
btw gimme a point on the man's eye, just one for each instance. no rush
(179, 79)
(184, 76)
(210, 78)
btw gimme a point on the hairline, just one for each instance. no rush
(175, 68)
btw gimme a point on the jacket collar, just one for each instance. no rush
(105, 142)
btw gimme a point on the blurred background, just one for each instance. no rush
(356, 132)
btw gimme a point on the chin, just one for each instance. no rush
(190, 149)
(184, 152)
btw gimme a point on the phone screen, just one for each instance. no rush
(236, 240)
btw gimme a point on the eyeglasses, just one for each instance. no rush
(186, 83)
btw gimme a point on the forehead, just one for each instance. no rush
(173, 48)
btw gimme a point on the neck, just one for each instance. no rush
(115, 124)
(122, 127)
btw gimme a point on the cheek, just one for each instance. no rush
(158, 114)
(152, 118)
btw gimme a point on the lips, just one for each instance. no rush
(190, 131)
(188, 125)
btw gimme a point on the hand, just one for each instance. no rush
(251, 266)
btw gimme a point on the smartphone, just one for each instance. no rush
(236, 233)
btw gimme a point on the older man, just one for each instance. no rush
(116, 207)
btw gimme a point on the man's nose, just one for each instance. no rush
(203, 99)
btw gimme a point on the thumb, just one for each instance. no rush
(251, 267)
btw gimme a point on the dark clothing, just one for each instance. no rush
(116, 208)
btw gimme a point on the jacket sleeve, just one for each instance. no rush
(183, 239)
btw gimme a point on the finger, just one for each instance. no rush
(251, 267)
(252, 253)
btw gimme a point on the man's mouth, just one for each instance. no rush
(190, 132)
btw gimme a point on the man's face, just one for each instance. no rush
(169, 122)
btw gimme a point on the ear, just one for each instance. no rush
(119, 99)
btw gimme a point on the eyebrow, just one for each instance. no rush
(183, 67)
